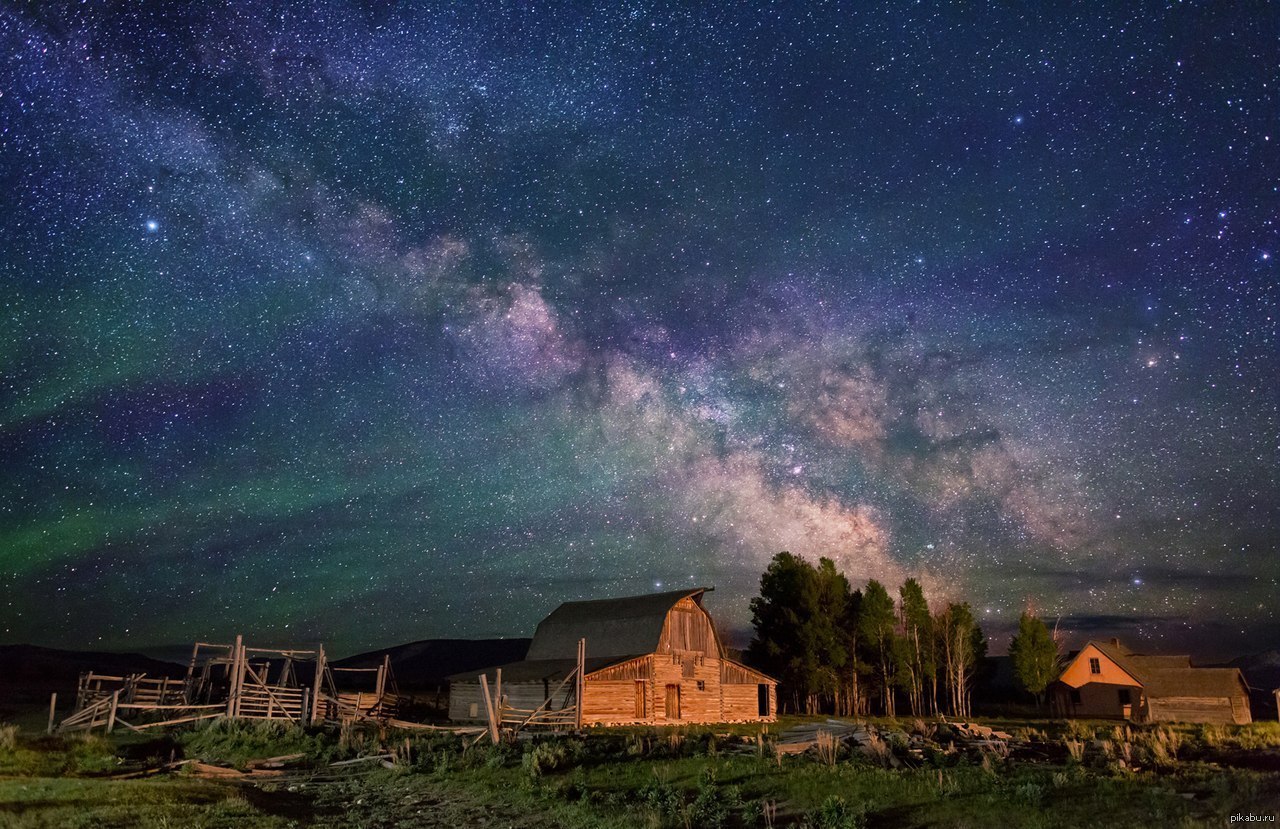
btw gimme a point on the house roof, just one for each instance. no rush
(1195, 682)
(613, 628)
(1173, 676)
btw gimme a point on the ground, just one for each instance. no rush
(1068, 774)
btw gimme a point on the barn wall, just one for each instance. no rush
(1199, 709)
(688, 628)
(461, 695)
(525, 695)
(686, 671)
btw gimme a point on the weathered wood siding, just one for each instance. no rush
(524, 695)
(1199, 709)
(688, 628)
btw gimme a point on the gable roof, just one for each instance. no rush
(613, 628)
(1173, 676)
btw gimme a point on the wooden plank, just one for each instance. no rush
(53, 704)
(315, 690)
(490, 714)
(111, 718)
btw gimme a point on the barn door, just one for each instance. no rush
(762, 700)
(640, 711)
(673, 702)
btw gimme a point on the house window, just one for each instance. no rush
(702, 685)
(1075, 696)
(1095, 666)
(1125, 698)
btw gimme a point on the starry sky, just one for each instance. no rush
(370, 322)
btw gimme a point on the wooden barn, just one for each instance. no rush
(1107, 680)
(653, 659)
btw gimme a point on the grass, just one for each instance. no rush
(641, 777)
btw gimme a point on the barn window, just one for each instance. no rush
(1125, 698)
(474, 710)
(1095, 666)
(1075, 696)
(702, 685)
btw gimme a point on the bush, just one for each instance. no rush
(836, 813)
(8, 737)
(237, 742)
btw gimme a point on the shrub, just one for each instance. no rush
(8, 737)
(1029, 793)
(836, 813)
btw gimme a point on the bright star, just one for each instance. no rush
(152, 225)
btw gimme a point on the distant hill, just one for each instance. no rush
(1262, 670)
(29, 673)
(425, 664)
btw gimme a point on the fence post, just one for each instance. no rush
(53, 704)
(111, 717)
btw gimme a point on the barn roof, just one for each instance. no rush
(613, 628)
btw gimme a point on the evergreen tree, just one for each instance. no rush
(1034, 655)
(824, 634)
(781, 646)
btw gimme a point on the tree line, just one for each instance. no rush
(847, 651)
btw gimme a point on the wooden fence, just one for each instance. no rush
(236, 682)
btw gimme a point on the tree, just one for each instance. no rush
(778, 615)
(1035, 656)
(962, 645)
(823, 632)
(917, 630)
(876, 632)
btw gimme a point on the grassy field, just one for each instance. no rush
(1083, 774)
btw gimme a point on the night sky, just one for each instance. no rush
(370, 323)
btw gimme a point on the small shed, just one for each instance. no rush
(1107, 680)
(651, 659)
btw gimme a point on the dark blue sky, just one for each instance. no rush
(372, 323)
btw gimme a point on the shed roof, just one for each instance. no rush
(613, 628)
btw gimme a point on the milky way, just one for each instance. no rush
(368, 324)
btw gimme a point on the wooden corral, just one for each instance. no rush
(1107, 680)
(237, 682)
(652, 659)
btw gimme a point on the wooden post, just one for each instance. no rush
(582, 684)
(383, 673)
(233, 671)
(315, 686)
(488, 708)
(497, 695)
(111, 717)
(305, 713)
(53, 704)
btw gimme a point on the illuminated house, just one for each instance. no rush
(1107, 680)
